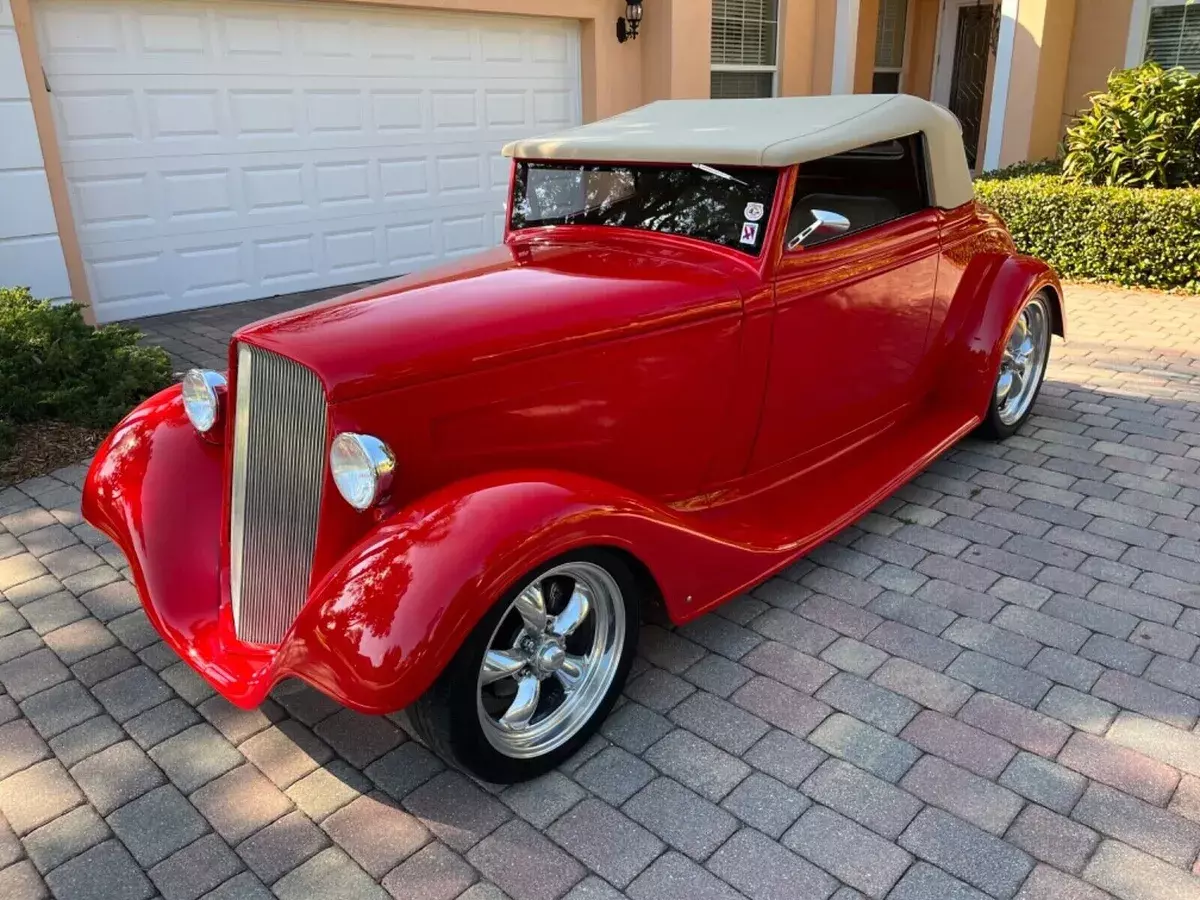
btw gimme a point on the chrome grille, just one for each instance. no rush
(278, 470)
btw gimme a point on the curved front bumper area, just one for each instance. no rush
(156, 488)
(370, 633)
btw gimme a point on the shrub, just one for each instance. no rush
(1144, 131)
(1024, 169)
(1137, 237)
(53, 365)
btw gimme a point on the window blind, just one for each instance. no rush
(744, 32)
(741, 85)
(1173, 38)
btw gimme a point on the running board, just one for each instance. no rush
(787, 520)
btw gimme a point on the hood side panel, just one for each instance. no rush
(504, 305)
(648, 412)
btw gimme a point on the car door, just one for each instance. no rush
(852, 302)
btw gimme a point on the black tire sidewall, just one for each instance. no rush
(467, 741)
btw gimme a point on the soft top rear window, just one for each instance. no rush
(726, 205)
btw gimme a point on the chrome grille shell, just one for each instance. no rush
(279, 450)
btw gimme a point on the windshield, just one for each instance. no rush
(726, 205)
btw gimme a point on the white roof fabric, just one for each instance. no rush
(779, 131)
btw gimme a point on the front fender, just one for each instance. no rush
(381, 625)
(385, 622)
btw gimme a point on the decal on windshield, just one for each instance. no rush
(754, 211)
(749, 232)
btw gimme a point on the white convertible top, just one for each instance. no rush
(778, 131)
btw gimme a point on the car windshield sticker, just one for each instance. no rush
(754, 211)
(749, 232)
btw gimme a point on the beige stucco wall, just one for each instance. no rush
(1037, 79)
(798, 21)
(823, 32)
(1022, 83)
(1057, 32)
(675, 41)
(922, 47)
(864, 47)
(1097, 47)
(611, 78)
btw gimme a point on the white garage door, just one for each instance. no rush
(222, 151)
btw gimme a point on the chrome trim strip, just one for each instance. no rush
(237, 517)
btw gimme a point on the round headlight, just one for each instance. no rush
(362, 468)
(200, 398)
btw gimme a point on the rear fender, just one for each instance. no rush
(1000, 291)
(387, 620)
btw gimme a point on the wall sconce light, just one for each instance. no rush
(627, 28)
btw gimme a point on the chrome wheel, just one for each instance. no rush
(551, 659)
(1024, 362)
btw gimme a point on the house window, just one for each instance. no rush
(744, 38)
(1173, 35)
(889, 46)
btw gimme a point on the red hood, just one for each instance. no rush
(522, 299)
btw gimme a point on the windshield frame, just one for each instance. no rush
(773, 197)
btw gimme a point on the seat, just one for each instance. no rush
(862, 211)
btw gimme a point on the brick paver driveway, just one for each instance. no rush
(986, 687)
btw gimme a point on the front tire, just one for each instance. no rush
(539, 673)
(1022, 370)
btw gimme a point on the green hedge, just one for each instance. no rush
(1136, 237)
(1024, 170)
(53, 365)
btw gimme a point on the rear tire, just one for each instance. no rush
(539, 673)
(1023, 366)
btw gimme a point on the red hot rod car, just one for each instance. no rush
(715, 334)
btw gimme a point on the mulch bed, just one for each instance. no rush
(45, 446)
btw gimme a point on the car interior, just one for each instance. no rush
(868, 186)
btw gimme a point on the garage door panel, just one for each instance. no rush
(464, 234)
(411, 243)
(215, 267)
(220, 151)
(176, 33)
(139, 199)
(345, 183)
(114, 203)
(265, 65)
(198, 195)
(395, 111)
(147, 38)
(185, 271)
(85, 32)
(552, 108)
(102, 118)
(97, 117)
(183, 114)
(246, 37)
(404, 178)
(138, 280)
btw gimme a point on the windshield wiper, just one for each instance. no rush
(711, 171)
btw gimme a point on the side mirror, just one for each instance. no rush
(825, 222)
